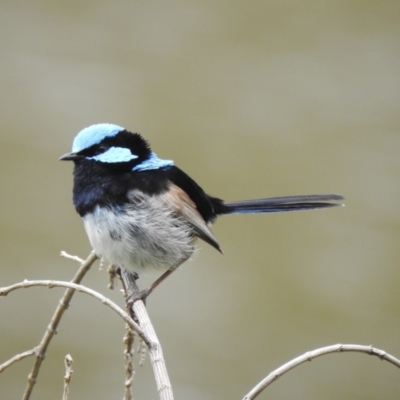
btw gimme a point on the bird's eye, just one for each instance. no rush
(94, 151)
(101, 149)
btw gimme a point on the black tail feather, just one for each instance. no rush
(282, 204)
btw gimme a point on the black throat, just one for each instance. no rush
(106, 185)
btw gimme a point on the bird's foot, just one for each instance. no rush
(134, 297)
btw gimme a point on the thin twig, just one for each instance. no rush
(71, 257)
(129, 366)
(80, 288)
(142, 351)
(337, 348)
(68, 375)
(52, 328)
(112, 275)
(17, 357)
(164, 387)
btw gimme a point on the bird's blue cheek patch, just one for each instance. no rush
(153, 162)
(115, 155)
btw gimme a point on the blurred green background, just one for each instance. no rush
(252, 99)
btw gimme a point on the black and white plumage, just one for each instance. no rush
(140, 211)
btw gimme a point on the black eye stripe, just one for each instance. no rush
(124, 139)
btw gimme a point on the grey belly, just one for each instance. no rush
(139, 237)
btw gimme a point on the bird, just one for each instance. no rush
(141, 212)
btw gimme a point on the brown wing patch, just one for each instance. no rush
(179, 201)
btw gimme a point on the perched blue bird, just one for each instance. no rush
(141, 211)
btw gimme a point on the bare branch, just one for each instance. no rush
(112, 274)
(68, 375)
(17, 357)
(142, 351)
(75, 258)
(129, 367)
(337, 348)
(164, 387)
(52, 328)
(80, 288)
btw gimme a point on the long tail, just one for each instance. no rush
(280, 204)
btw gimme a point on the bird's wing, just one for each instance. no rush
(182, 204)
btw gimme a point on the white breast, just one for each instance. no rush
(144, 234)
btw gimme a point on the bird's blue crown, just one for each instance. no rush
(127, 147)
(93, 135)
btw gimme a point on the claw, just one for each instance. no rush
(134, 297)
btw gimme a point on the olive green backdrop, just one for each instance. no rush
(252, 99)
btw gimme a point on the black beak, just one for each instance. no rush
(70, 157)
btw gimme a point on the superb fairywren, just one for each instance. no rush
(141, 211)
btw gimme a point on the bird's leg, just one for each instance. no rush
(131, 289)
(143, 294)
(128, 280)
